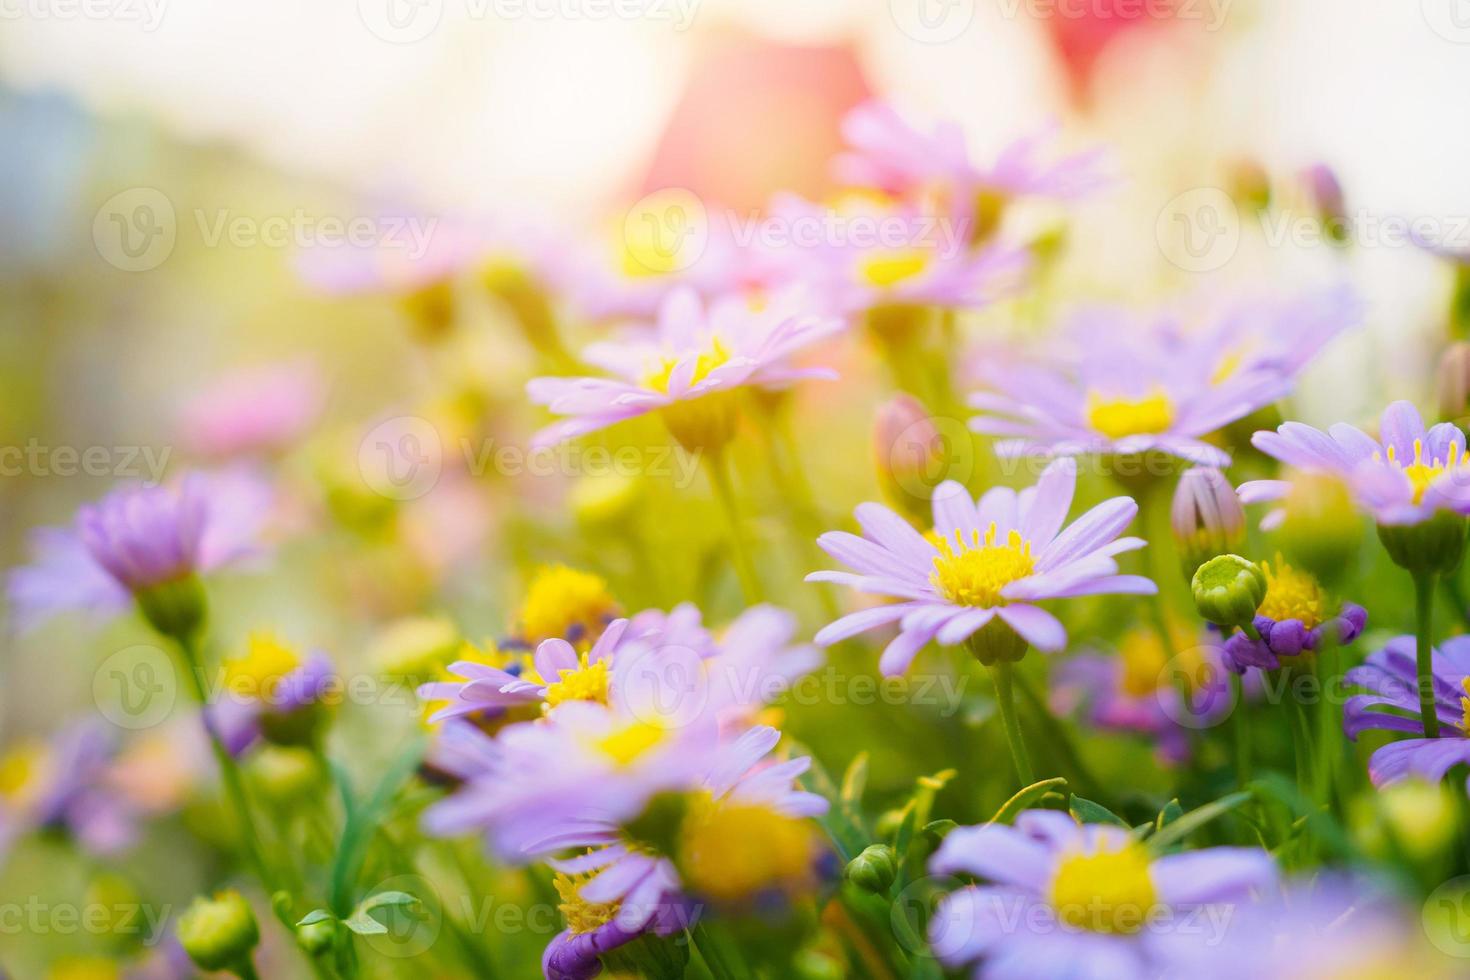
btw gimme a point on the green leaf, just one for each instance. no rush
(855, 780)
(1195, 819)
(361, 920)
(1090, 812)
(1026, 797)
(1172, 811)
(315, 915)
(363, 821)
(939, 829)
(847, 833)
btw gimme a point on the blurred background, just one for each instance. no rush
(179, 179)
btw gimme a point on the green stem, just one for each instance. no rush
(1329, 733)
(245, 970)
(801, 506)
(1005, 699)
(1423, 651)
(724, 963)
(1455, 593)
(1059, 736)
(1242, 730)
(229, 770)
(1301, 741)
(719, 478)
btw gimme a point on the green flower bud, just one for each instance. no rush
(1228, 590)
(874, 869)
(1434, 546)
(218, 932)
(284, 774)
(996, 642)
(1322, 529)
(316, 938)
(176, 608)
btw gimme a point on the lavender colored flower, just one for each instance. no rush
(63, 784)
(1404, 477)
(1063, 899)
(688, 369)
(986, 562)
(1206, 517)
(254, 411)
(892, 154)
(270, 691)
(1392, 704)
(1292, 620)
(141, 537)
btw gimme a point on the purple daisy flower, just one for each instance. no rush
(1391, 677)
(880, 255)
(63, 784)
(892, 154)
(138, 537)
(687, 368)
(1404, 477)
(1089, 902)
(1126, 394)
(271, 692)
(1292, 620)
(986, 561)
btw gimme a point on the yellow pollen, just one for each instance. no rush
(657, 377)
(973, 573)
(258, 671)
(1465, 707)
(1291, 594)
(20, 769)
(1119, 417)
(588, 682)
(626, 745)
(893, 268)
(1105, 890)
(731, 852)
(1144, 659)
(1421, 473)
(560, 598)
(580, 914)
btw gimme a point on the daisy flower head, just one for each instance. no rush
(1407, 476)
(1392, 703)
(271, 691)
(977, 576)
(1292, 620)
(893, 154)
(148, 542)
(64, 783)
(690, 368)
(1125, 395)
(1064, 899)
(869, 255)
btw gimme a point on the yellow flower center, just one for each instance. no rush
(657, 377)
(258, 671)
(892, 268)
(1144, 659)
(973, 573)
(20, 769)
(1291, 594)
(1422, 473)
(587, 682)
(1119, 417)
(732, 852)
(560, 598)
(84, 968)
(580, 914)
(1105, 890)
(626, 745)
(1465, 707)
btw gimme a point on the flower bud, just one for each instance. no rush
(1452, 382)
(1433, 546)
(874, 869)
(996, 642)
(910, 455)
(316, 938)
(1228, 590)
(1321, 529)
(284, 774)
(218, 932)
(1326, 195)
(1207, 517)
(604, 500)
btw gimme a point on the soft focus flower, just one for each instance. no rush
(255, 410)
(269, 690)
(1063, 899)
(689, 369)
(1318, 523)
(63, 784)
(218, 933)
(1138, 690)
(564, 602)
(1206, 516)
(1392, 704)
(984, 563)
(1291, 620)
(138, 538)
(1404, 477)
